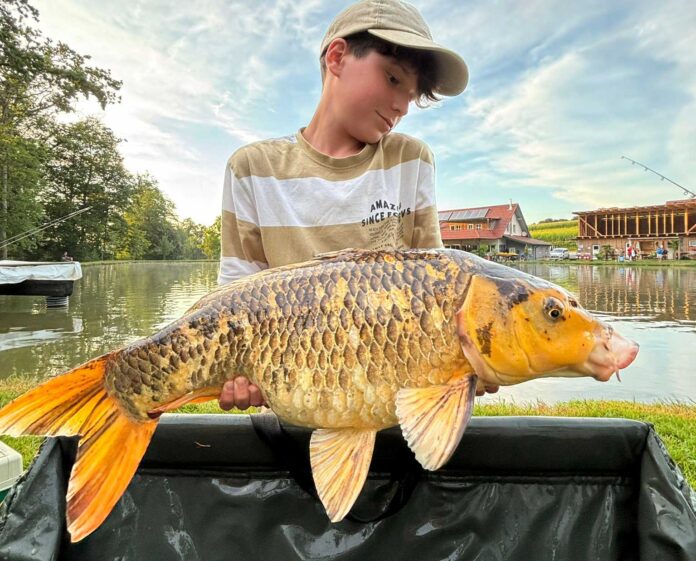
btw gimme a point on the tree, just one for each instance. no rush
(38, 79)
(23, 181)
(152, 229)
(211, 240)
(85, 169)
(193, 239)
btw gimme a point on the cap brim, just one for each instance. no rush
(453, 74)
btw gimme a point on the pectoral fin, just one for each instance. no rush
(340, 460)
(197, 396)
(433, 419)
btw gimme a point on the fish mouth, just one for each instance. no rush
(612, 352)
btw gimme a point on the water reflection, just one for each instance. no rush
(112, 305)
(640, 294)
(27, 329)
(116, 304)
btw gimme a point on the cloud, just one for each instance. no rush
(558, 93)
(599, 86)
(212, 66)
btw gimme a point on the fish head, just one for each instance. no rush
(517, 329)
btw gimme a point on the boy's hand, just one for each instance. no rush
(241, 394)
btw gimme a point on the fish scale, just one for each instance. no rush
(329, 344)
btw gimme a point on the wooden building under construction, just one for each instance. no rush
(670, 226)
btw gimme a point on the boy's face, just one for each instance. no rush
(373, 94)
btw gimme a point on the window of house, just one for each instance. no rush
(479, 226)
(455, 226)
(469, 226)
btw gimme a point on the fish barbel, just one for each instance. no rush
(348, 344)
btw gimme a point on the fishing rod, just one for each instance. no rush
(17, 237)
(691, 194)
(34, 231)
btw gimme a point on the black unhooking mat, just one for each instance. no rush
(217, 487)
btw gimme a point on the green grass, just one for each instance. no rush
(674, 422)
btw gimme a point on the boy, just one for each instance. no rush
(344, 180)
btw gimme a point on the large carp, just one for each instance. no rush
(350, 343)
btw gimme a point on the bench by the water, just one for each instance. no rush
(54, 280)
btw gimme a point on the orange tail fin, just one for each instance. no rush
(111, 444)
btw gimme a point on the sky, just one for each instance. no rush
(558, 92)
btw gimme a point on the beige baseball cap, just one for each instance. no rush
(400, 23)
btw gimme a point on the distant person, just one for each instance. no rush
(66, 257)
(346, 179)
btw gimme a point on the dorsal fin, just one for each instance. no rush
(341, 252)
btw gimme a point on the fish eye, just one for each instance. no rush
(553, 309)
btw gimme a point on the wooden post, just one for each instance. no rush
(649, 225)
(595, 224)
(672, 229)
(625, 224)
(637, 225)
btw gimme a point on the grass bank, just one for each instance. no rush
(674, 422)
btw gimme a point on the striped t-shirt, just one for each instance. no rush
(284, 202)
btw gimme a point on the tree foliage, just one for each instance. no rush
(153, 230)
(147, 218)
(50, 168)
(211, 240)
(38, 79)
(85, 169)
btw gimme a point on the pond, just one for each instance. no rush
(114, 304)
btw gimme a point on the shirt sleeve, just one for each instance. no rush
(240, 235)
(426, 225)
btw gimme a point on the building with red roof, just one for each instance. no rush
(497, 229)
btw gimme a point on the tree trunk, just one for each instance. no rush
(4, 162)
(5, 203)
